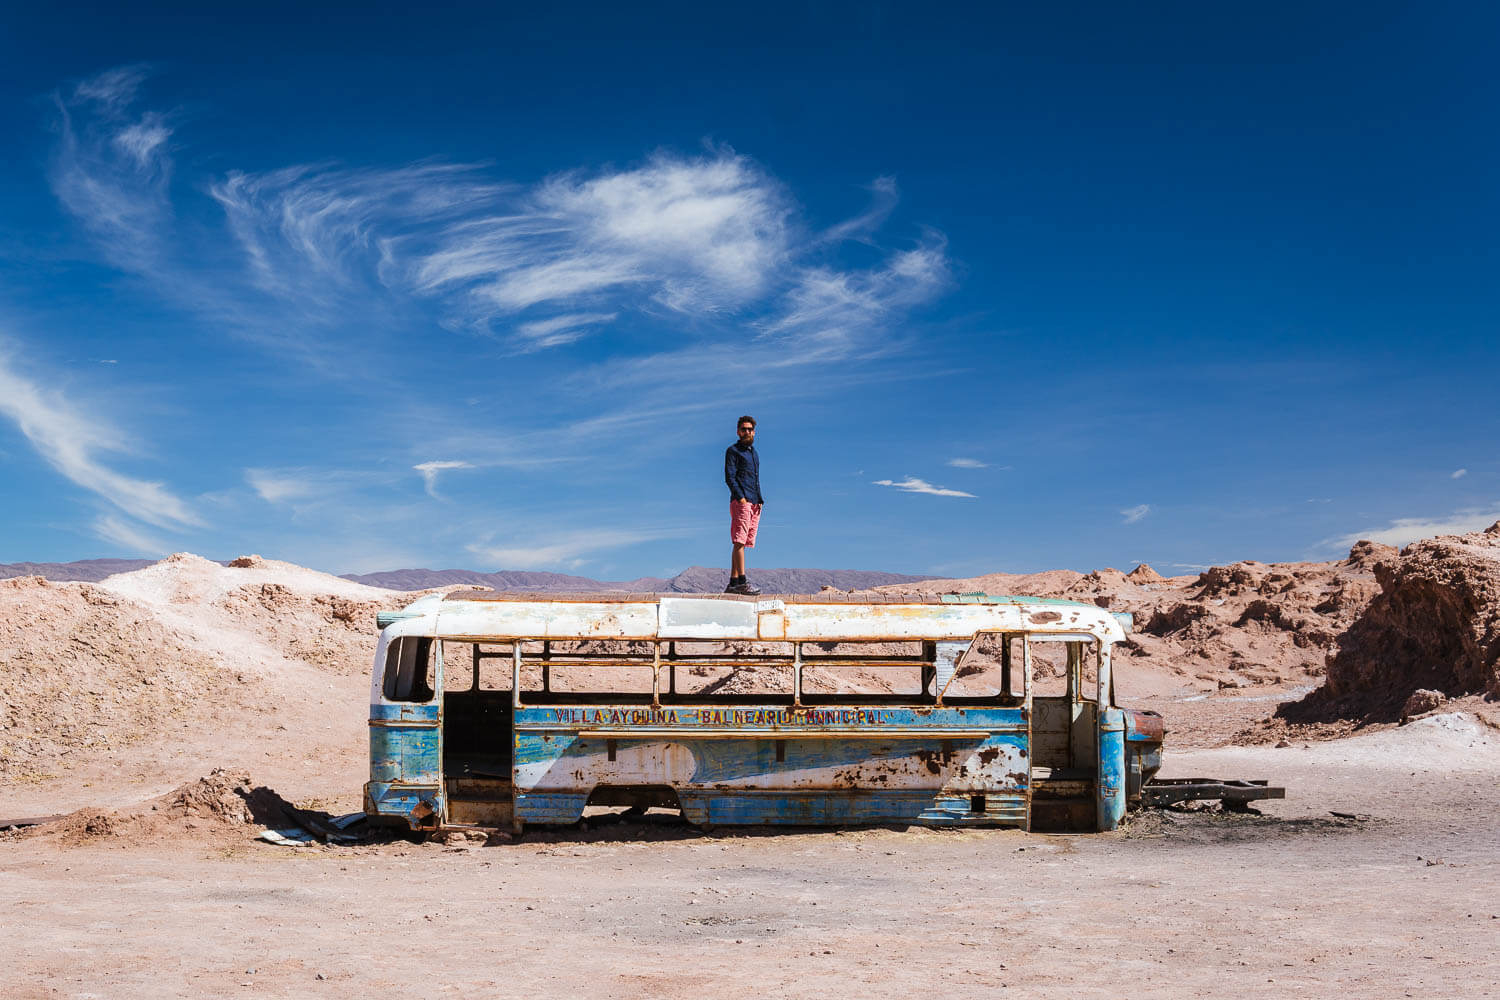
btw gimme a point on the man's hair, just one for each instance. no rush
(747, 419)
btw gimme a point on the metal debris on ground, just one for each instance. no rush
(313, 828)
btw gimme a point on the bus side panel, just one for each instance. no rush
(790, 774)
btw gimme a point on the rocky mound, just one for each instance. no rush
(1239, 625)
(92, 668)
(88, 671)
(302, 614)
(1434, 627)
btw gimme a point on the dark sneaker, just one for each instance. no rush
(746, 589)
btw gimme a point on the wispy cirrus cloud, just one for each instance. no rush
(1459, 473)
(429, 472)
(709, 238)
(556, 330)
(277, 486)
(911, 484)
(1136, 513)
(129, 536)
(73, 440)
(967, 463)
(112, 168)
(883, 199)
(1405, 530)
(696, 246)
(314, 233)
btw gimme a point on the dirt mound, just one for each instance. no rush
(1435, 625)
(88, 671)
(326, 630)
(1239, 625)
(1365, 554)
(223, 802)
(183, 578)
(1046, 583)
(1144, 574)
(144, 655)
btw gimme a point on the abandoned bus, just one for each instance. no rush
(500, 710)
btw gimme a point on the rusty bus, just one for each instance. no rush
(493, 710)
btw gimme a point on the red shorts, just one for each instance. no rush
(744, 518)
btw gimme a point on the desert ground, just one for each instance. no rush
(148, 709)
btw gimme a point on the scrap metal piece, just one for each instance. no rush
(1167, 791)
(289, 837)
(24, 821)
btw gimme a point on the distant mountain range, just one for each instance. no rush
(693, 580)
(87, 570)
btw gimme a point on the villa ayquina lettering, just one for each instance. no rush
(709, 717)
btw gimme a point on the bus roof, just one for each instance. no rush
(828, 616)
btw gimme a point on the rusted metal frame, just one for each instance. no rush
(743, 659)
(797, 674)
(438, 686)
(641, 661)
(1004, 664)
(1105, 680)
(1027, 694)
(546, 666)
(515, 686)
(656, 675)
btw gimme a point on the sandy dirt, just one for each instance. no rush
(1375, 877)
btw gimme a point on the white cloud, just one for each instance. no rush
(1405, 530)
(275, 487)
(1134, 514)
(112, 89)
(967, 463)
(430, 470)
(71, 440)
(566, 550)
(707, 237)
(113, 529)
(692, 234)
(312, 231)
(1459, 473)
(911, 484)
(561, 329)
(884, 197)
(111, 168)
(828, 314)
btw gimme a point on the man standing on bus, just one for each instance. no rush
(742, 476)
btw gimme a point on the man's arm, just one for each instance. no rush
(731, 473)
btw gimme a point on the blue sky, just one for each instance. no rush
(1008, 288)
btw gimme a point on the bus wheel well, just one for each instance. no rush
(639, 797)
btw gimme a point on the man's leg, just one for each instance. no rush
(737, 561)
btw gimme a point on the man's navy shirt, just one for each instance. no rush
(742, 472)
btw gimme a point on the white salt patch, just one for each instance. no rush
(185, 578)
